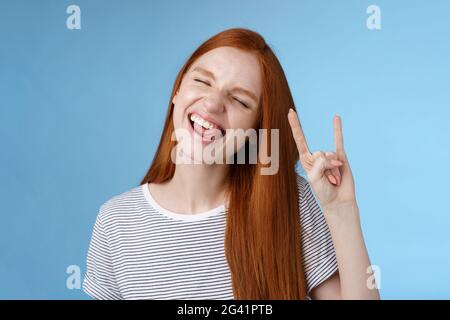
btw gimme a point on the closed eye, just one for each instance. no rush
(202, 81)
(241, 102)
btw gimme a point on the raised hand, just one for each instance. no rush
(328, 173)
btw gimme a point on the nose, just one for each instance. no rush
(213, 103)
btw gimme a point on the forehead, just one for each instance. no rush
(232, 65)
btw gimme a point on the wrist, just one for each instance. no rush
(342, 212)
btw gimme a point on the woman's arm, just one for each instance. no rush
(331, 179)
(351, 253)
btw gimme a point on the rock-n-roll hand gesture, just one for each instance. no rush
(332, 182)
(328, 173)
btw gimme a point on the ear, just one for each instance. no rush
(174, 99)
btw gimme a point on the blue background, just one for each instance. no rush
(81, 113)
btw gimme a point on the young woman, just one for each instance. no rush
(224, 230)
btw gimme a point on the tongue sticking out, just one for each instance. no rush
(208, 134)
(212, 134)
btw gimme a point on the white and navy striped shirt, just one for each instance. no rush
(140, 250)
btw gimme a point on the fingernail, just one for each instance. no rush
(332, 179)
(336, 162)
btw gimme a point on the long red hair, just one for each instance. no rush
(262, 237)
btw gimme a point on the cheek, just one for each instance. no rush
(177, 117)
(242, 119)
(187, 96)
(184, 99)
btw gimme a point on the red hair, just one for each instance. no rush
(262, 237)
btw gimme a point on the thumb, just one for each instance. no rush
(321, 164)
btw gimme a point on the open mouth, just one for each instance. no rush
(206, 129)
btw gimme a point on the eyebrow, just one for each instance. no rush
(205, 72)
(235, 89)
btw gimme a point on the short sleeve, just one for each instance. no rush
(99, 280)
(319, 258)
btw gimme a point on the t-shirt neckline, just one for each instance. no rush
(179, 216)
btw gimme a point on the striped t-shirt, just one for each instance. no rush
(140, 250)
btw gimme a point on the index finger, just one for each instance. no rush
(338, 137)
(297, 132)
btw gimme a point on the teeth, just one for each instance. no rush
(204, 123)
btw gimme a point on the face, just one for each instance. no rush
(220, 91)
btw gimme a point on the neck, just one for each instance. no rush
(199, 187)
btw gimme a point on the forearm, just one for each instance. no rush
(351, 253)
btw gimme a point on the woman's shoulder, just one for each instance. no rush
(124, 203)
(309, 206)
(302, 182)
(304, 187)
